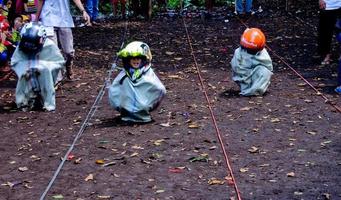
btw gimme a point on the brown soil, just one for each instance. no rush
(284, 145)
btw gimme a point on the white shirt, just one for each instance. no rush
(333, 4)
(56, 13)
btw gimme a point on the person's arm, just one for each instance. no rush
(86, 17)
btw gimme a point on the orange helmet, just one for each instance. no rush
(253, 39)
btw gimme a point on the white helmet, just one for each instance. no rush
(33, 36)
(136, 49)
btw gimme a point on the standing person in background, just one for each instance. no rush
(142, 7)
(92, 10)
(209, 5)
(338, 37)
(56, 17)
(115, 7)
(240, 9)
(330, 10)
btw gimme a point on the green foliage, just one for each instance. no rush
(173, 4)
(105, 8)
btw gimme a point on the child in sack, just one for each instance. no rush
(136, 90)
(251, 64)
(37, 61)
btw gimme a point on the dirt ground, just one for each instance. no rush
(284, 145)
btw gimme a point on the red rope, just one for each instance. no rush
(227, 162)
(326, 100)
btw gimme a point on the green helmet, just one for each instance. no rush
(136, 49)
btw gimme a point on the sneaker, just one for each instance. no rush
(338, 89)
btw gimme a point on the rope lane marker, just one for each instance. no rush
(221, 142)
(90, 114)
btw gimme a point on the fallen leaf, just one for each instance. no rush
(327, 196)
(253, 149)
(215, 181)
(201, 158)
(275, 120)
(229, 180)
(302, 84)
(325, 142)
(212, 147)
(243, 170)
(109, 164)
(70, 156)
(58, 196)
(291, 174)
(80, 84)
(103, 197)
(134, 154)
(22, 169)
(158, 142)
(175, 77)
(159, 191)
(193, 125)
(245, 109)
(100, 161)
(12, 184)
(28, 186)
(90, 177)
(77, 161)
(137, 147)
(176, 169)
(169, 53)
(311, 132)
(165, 124)
(298, 193)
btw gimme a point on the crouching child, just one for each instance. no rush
(37, 62)
(251, 64)
(136, 90)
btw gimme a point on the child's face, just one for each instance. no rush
(135, 62)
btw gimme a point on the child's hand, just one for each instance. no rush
(3, 37)
(322, 4)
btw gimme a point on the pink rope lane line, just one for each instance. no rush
(227, 162)
(326, 100)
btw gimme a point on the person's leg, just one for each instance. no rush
(89, 8)
(338, 88)
(248, 6)
(239, 6)
(114, 7)
(209, 5)
(95, 10)
(325, 33)
(65, 39)
(123, 8)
